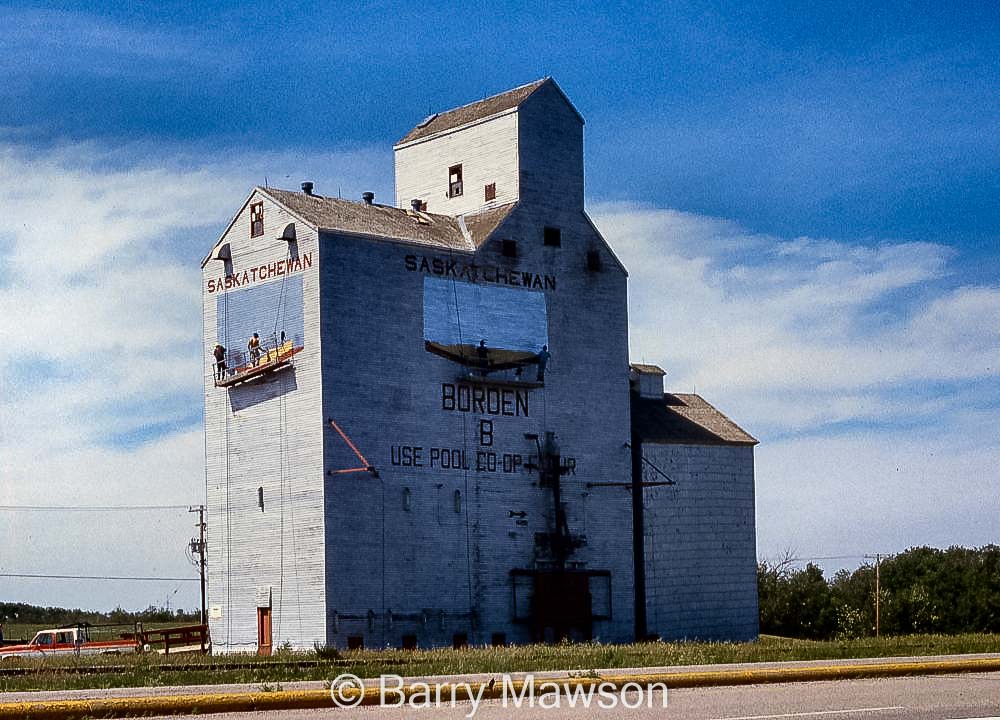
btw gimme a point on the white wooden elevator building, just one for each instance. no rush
(436, 437)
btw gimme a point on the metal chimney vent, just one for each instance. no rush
(307, 187)
(368, 197)
(416, 204)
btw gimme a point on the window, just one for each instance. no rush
(454, 181)
(508, 248)
(552, 237)
(257, 219)
(593, 260)
(491, 192)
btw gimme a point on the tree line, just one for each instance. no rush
(25, 614)
(922, 590)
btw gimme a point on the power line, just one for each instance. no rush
(830, 557)
(98, 577)
(93, 508)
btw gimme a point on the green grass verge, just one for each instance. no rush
(143, 670)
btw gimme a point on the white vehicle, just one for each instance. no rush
(68, 641)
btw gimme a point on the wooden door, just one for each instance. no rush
(263, 631)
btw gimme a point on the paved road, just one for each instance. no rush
(944, 697)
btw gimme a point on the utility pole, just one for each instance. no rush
(198, 546)
(877, 557)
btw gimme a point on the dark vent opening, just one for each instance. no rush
(552, 237)
(499, 639)
(593, 260)
(409, 642)
(491, 192)
(459, 640)
(355, 642)
(508, 248)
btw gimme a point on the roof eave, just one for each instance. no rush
(403, 144)
(396, 240)
(264, 191)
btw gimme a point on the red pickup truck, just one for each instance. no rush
(67, 641)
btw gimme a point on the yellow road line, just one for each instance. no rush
(312, 699)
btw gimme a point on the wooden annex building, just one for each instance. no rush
(422, 427)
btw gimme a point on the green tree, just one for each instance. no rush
(795, 603)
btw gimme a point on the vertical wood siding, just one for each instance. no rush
(488, 154)
(384, 388)
(701, 566)
(266, 434)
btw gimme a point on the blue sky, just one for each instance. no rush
(807, 196)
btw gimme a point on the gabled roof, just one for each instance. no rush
(685, 418)
(482, 224)
(384, 221)
(480, 110)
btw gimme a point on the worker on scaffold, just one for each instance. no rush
(543, 361)
(219, 353)
(254, 347)
(483, 353)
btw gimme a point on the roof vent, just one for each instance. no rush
(427, 120)
(417, 204)
(368, 197)
(649, 379)
(307, 187)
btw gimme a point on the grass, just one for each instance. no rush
(147, 670)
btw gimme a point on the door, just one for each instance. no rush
(263, 631)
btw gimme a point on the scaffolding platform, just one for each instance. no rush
(269, 361)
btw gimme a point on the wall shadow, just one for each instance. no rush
(266, 387)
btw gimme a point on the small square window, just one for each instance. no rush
(454, 181)
(355, 642)
(552, 237)
(491, 192)
(508, 248)
(409, 642)
(257, 219)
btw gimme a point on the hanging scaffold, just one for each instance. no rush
(272, 355)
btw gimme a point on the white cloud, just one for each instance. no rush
(867, 372)
(798, 332)
(47, 39)
(101, 378)
(169, 471)
(880, 491)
